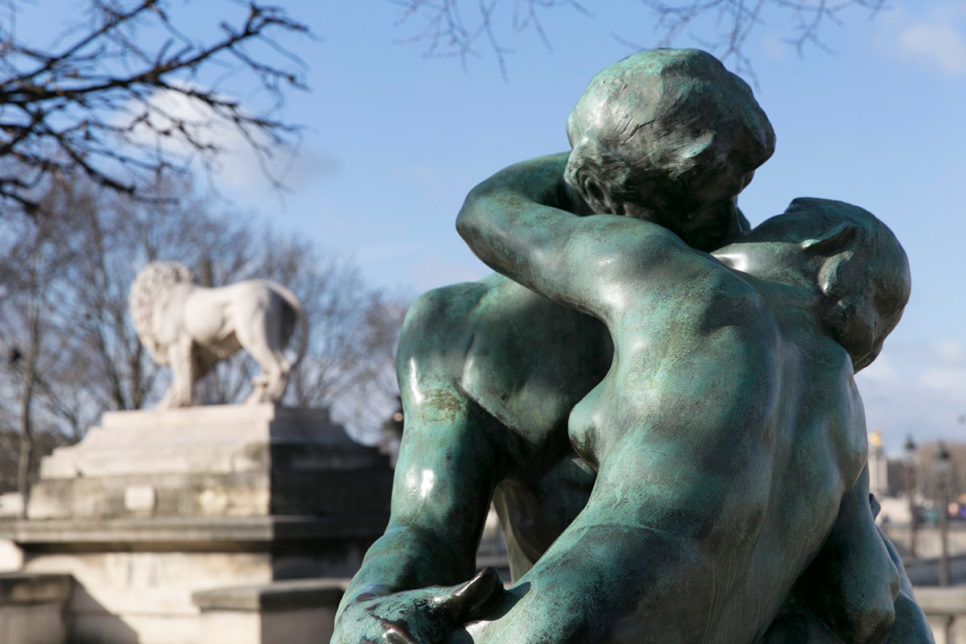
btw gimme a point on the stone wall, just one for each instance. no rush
(945, 608)
(153, 507)
(294, 612)
(33, 608)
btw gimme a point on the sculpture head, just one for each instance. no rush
(670, 136)
(151, 284)
(854, 260)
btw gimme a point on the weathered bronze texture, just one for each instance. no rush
(672, 438)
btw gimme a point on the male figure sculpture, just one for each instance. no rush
(190, 328)
(728, 429)
(490, 372)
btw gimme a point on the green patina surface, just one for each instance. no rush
(658, 401)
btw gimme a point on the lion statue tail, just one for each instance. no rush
(296, 323)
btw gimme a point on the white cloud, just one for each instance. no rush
(882, 372)
(944, 380)
(934, 44)
(951, 351)
(930, 35)
(238, 166)
(918, 390)
(775, 47)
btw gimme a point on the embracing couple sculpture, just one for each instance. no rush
(658, 401)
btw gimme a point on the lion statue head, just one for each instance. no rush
(153, 281)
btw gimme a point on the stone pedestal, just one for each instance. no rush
(295, 612)
(32, 608)
(154, 506)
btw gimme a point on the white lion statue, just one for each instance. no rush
(189, 328)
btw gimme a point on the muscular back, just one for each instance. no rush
(531, 360)
(526, 362)
(725, 435)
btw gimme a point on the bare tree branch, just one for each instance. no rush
(735, 20)
(725, 25)
(68, 350)
(90, 100)
(447, 35)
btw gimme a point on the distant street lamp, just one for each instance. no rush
(911, 491)
(942, 473)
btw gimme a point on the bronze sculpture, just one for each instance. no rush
(490, 373)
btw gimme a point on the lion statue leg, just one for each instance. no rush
(264, 343)
(269, 386)
(180, 357)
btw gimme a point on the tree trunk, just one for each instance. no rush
(25, 460)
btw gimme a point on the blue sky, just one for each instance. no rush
(395, 140)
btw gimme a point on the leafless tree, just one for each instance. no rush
(99, 97)
(735, 21)
(461, 28)
(352, 325)
(348, 363)
(68, 350)
(38, 337)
